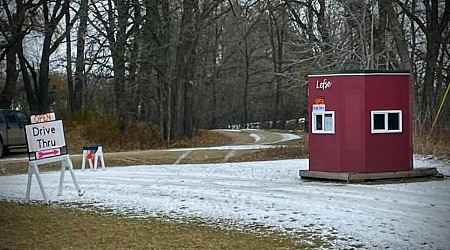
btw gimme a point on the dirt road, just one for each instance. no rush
(241, 142)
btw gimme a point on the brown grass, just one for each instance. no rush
(95, 129)
(76, 136)
(437, 143)
(294, 150)
(207, 156)
(203, 138)
(28, 226)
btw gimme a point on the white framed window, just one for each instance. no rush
(386, 121)
(323, 123)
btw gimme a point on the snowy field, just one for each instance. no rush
(395, 216)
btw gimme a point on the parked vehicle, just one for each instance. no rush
(12, 132)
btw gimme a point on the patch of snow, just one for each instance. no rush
(231, 130)
(232, 147)
(443, 166)
(396, 216)
(13, 159)
(256, 137)
(182, 157)
(287, 137)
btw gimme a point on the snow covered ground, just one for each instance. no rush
(396, 216)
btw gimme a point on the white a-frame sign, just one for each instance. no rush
(47, 144)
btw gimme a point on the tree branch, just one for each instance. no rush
(413, 17)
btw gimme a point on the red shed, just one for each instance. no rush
(360, 121)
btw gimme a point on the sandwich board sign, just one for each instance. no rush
(46, 143)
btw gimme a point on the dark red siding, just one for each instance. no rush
(391, 151)
(324, 148)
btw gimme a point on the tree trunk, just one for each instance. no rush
(184, 100)
(167, 69)
(246, 83)
(156, 51)
(118, 56)
(14, 26)
(214, 78)
(80, 62)
(31, 97)
(11, 78)
(276, 32)
(69, 62)
(134, 86)
(428, 82)
(44, 70)
(399, 37)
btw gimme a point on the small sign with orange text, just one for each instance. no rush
(42, 117)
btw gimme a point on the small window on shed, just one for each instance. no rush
(393, 121)
(386, 121)
(379, 121)
(319, 121)
(323, 123)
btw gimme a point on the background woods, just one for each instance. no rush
(187, 64)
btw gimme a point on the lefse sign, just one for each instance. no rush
(45, 138)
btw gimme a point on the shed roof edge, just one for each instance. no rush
(358, 72)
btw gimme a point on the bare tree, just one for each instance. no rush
(437, 21)
(114, 19)
(277, 32)
(248, 15)
(14, 28)
(187, 64)
(38, 95)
